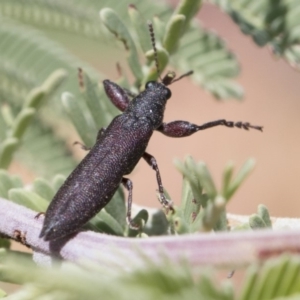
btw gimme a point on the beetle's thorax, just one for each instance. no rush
(150, 104)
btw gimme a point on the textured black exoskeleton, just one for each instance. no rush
(118, 149)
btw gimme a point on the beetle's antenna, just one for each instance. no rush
(183, 75)
(170, 76)
(152, 36)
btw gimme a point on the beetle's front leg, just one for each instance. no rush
(117, 95)
(152, 163)
(84, 147)
(184, 128)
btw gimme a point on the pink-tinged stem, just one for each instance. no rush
(232, 249)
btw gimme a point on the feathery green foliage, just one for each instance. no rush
(203, 207)
(16, 126)
(83, 20)
(275, 23)
(276, 279)
(168, 281)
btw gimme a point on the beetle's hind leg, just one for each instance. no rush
(153, 164)
(128, 185)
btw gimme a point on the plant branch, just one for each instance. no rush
(223, 249)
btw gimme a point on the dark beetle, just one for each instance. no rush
(118, 149)
(116, 152)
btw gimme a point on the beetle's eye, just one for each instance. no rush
(168, 93)
(149, 84)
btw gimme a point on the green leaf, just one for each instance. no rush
(159, 28)
(293, 297)
(16, 180)
(174, 31)
(227, 177)
(157, 224)
(7, 114)
(212, 213)
(7, 149)
(239, 178)
(263, 212)
(29, 199)
(222, 223)
(86, 129)
(22, 121)
(94, 100)
(58, 181)
(141, 28)
(256, 222)
(190, 206)
(6, 183)
(213, 65)
(114, 24)
(45, 153)
(43, 189)
(206, 180)
(188, 8)
(188, 170)
(37, 95)
(180, 226)
(104, 222)
(278, 277)
(34, 98)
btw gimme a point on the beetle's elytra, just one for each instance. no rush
(117, 150)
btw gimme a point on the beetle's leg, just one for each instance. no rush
(152, 163)
(100, 133)
(84, 147)
(128, 185)
(117, 95)
(38, 215)
(184, 128)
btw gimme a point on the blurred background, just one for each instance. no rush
(271, 99)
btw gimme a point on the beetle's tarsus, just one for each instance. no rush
(82, 146)
(38, 215)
